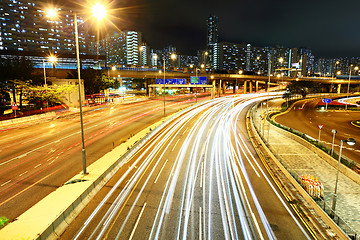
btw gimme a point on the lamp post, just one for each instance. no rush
(99, 12)
(351, 142)
(80, 101)
(173, 57)
(336, 63)
(332, 145)
(347, 95)
(44, 72)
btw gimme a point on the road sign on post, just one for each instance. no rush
(14, 106)
(326, 101)
(320, 126)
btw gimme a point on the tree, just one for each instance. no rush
(39, 95)
(287, 96)
(303, 87)
(14, 72)
(95, 81)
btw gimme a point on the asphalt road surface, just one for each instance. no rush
(196, 178)
(35, 159)
(305, 118)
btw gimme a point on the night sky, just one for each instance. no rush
(330, 28)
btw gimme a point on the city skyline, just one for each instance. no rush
(326, 28)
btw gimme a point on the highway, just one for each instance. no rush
(198, 177)
(306, 120)
(35, 159)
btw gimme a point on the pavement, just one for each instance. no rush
(300, 160)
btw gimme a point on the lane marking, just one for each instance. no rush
(51, 162)
(137, 222)
(160, 171)
(23, 173)
(5, 183)
(175, 145)
(201, 174)
(37, 165)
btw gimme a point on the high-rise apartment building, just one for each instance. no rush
(212, 36)
(133, 43)
(26, 27)
(212, 31)
(113, 46)
(144, 55)
(229, 56)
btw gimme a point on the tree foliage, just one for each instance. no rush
(40, 96)
(303, 88)
(95, 81)
(15, 74)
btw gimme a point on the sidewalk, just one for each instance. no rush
(300, 160)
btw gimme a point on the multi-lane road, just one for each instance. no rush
(198, 177)
(305, 118)
(35, 159)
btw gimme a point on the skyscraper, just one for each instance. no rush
(212, 36)
(133, 43)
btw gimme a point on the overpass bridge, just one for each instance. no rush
(248, 83)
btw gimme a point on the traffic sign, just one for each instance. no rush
(326, 100)
(14, 106)
(320, 126)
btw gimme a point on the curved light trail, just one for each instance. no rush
(207, 180)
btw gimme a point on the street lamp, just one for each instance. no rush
(173, 57)
(347, 95)
(336, 63)
(99, 12)
(332, 145)
(350, 142)
(52, 59)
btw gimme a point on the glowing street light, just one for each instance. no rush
(173, 57)
(52, 59)
(51, 13)
(98, 11)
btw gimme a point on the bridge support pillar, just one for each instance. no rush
(224, 87)
(234, 86)
(250, 86)
(256, 86)
(245, 87)
(213, 89)
(339, 88)
(160, 91)
(219, 88)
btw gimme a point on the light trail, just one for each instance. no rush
(208, 175)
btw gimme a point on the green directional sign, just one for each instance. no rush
(194, 80)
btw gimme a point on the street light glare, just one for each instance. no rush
(173, 56)
(99, 11)
(52, 59)
(51, 13)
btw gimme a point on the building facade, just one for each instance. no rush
(133, 43)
